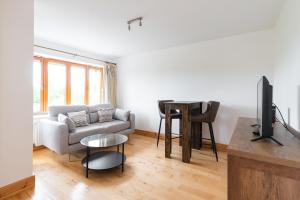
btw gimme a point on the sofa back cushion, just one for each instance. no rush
(53, 111)
(95, 108)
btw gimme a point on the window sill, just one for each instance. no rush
(39, 115)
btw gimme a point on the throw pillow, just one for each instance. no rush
(94, 117)
(122, 115)
(79, 118)
(64, 119)
(106, 114)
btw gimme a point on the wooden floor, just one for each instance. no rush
(148, 175)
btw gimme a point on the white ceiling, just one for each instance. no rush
(100, 26)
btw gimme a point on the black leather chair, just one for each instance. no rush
(208, 117)
(161, 110)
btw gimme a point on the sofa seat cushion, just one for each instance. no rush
(115, 126)
(85, 131)
(97, 128)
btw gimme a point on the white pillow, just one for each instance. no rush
(106, 114)
(122, 115)
(79, 118)
(64, 119)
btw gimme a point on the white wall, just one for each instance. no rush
(16, 38)
(224, 70)
(287, 65)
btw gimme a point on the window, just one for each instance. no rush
(37, 85)
(94, 85)
(58, 82)
(78, 85)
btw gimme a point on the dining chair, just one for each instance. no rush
(174, 115)
(208, 117)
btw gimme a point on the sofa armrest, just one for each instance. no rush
(54, 135)
(132, 120)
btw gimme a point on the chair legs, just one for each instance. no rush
(158, 134)
(213, 142)
(190, 138)
(200, 135)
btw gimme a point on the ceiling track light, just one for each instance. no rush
(138, 19)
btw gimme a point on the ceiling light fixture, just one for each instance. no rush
(138, 19)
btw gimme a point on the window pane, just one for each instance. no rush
(94, 86)
(56, 84)
(77, 85)
(37, 81)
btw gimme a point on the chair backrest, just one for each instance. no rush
(161, 106)
(212, 110)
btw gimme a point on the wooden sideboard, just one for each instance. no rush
(263, 170)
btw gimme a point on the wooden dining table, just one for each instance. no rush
(185, 108)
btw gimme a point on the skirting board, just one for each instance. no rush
(17, 187)
(220, 147)
(35, 148)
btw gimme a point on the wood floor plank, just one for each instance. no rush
(148, 175)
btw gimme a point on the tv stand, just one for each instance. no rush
(262, 170)
(269, 137)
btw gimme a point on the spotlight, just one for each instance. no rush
(139, 19)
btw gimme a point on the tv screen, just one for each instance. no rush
(259, 104)
(264, 107)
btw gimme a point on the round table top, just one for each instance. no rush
(104, 140)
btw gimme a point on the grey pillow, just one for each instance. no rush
(106, 114)
(88, 118)
(64, 119)
(94, 117)
(122, 115)
(79, 118)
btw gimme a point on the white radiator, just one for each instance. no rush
(36, 128)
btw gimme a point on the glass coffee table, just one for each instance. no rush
(103, 159)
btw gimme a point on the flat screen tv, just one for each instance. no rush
(264, 117)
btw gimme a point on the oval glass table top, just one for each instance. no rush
(104, 140)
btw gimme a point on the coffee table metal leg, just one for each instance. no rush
(87, 162)
(123, 157)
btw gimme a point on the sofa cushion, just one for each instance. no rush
(121, 114)
(85, 131)
(97, 128)
(106, 114)
(88, 118)
(95, 108)
(65, 119)
(94, 117)
(53, 111)
(80, 118)
(115, 126)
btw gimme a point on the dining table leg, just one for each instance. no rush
(200, 128)
(185, 135)
(168, 135)
(200, 135)
(180, 132)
